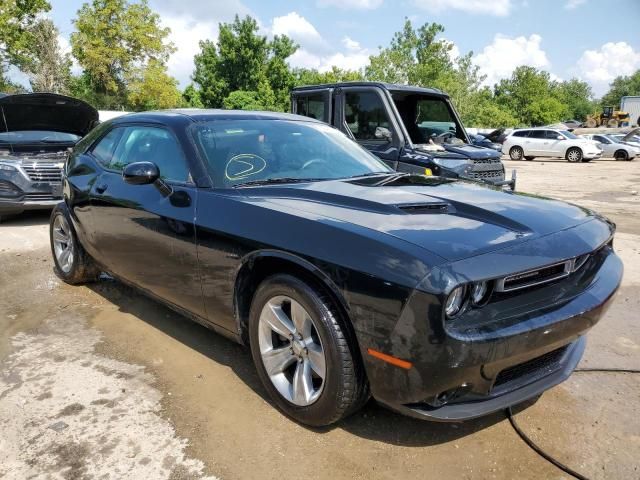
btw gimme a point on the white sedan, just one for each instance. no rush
(612, 147)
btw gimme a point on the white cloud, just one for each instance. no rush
(498, 8)
(297, 28)
(498, 59)
(208, 12)
(351, 44)
(599, 67)
(571, 4)
(350, 4)
(355, 57)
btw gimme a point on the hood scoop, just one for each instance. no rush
(425, 208)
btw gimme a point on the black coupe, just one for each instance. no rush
(443, 299)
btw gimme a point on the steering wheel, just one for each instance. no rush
(313, 161)
(445, 135)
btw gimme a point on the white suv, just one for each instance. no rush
(529, 143)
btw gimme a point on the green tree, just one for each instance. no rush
(50, 70)
(577, 96)
(191, 97)
(306, 76)
(530, 96)
(6, 85)
(242, 60)
(622, 87)
(16, 19)
(152, 88)
(113, 39)
(415, 57)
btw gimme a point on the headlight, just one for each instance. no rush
(454, 301)
(451, 163)
(8, 168)
(479, 291)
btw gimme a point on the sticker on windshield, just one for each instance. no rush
(243, 166)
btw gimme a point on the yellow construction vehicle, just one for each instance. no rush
(609, 118)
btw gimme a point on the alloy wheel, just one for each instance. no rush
(574, 155)
(63, 243)
(291, 350)
(516, 153)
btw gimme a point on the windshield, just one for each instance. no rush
(613, 139)
(37, 136)
(428, 118)
(242, 151)
(568, 134)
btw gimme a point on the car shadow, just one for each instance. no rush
(372, 422)
(26, 219)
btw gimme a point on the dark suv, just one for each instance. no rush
(36, 131)
(412, 129)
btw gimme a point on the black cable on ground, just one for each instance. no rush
(542, 453)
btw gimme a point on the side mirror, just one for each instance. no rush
(141, 173)
(560, 137)
(383, 133)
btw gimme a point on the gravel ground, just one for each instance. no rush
(101, 382)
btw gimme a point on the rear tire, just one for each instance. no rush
(574, 155)
(71, 262)
(621, 155)
(516, 153)
(301, 325)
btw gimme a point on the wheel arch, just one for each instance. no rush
(259, 265)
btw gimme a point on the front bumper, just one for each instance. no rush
(19, 192)
(508, 351)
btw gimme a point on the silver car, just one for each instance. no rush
(613, 147)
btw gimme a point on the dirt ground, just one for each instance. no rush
(100, 382)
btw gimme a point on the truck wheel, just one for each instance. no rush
(72, 263)
(516, 153)
(529, 158)
(591, 123)
(574, 155)
(302, 354)
(621, 155)
(612, 123)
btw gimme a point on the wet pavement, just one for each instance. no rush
(100, 382)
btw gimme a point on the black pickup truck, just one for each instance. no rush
(412, 129)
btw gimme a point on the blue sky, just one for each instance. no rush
(594, 40)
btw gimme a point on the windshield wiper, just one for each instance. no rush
(275, 181)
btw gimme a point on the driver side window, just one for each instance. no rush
(364, 112)
(151, 144)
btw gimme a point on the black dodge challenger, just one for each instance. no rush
(442, 299)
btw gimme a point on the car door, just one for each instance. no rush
(553, 145)
(145, 233)
(535, 144)
(605, 144)
(364, 115)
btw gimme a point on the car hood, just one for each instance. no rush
(46, 111)
(453, 219)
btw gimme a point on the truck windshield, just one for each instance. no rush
(250, 151)
(428, 118)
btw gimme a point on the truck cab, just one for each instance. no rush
(412, 129)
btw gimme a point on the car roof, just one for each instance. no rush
(206, 115)
(392, 87)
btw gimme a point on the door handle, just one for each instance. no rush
(102, 187)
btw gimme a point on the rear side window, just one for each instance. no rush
(537, 134)
(521, 133)
(312, 106)
(552, 135)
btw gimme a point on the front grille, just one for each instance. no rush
(49, 172)
(534, 277)
(39, 197)
(497, 174)
(536, 368)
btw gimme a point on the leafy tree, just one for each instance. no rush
(114, 38)
(16, 19)
(191, 97)
(6, 85)
(530, 97)
(242, 60)
(577, 96)
(415, 57)
(50, 70)
(152, 88)
(622, 87)
(306, 76)
(486, 113)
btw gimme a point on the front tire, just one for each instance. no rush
(302, 354)
(516, 153)
(71, 262)
(621, 155)
(574, 155)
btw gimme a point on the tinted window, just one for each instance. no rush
(521, 133)
(242, 151)
(312, 106)
(428, 118)
(364, 112)
(151, 144)
(552, 135)
(537, 134)
(601, 139)
(103, 151)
